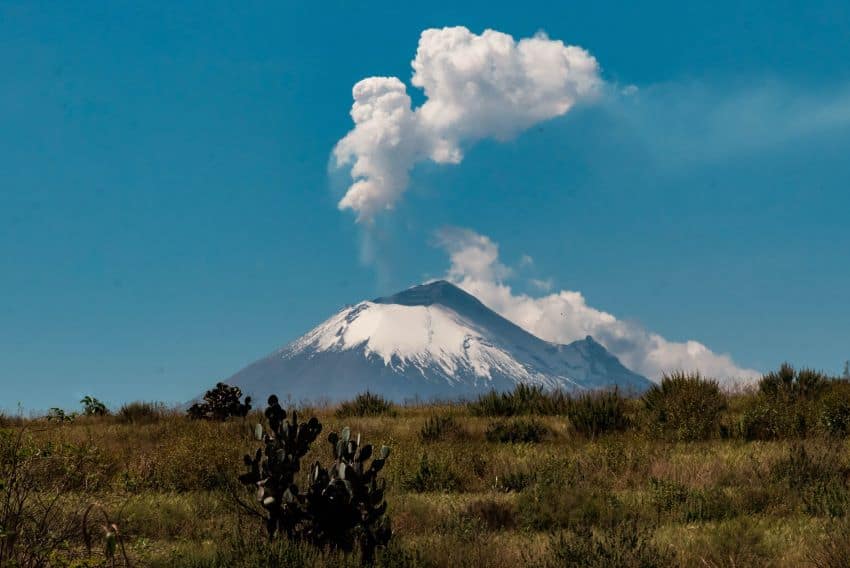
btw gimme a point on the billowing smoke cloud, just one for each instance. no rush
(476, 86)
(564, 316)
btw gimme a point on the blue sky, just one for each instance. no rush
(168, 206)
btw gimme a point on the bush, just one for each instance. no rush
(437, 428)
(690, 505)
(789, 405)
(685, 407)
(365, 404)
(790, 384)
(562, 498)
(835, 409)
(40, 517)
(833, 550)
(140, 412)
(514, 481)
(732, 545)
(523, 399)
(625, 545)
(800, 468)
(56, 414)
(431, 476)
(596, 413)
(818, 478)
(9, 421)
(764, 419)
(220, 403)
(495, 515)
(516, 431)
(93, 407)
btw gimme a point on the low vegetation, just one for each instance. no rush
(684, 407)
(516, 431)
(522, 400)
(141, 412)
(366, 404)
(596, 413)
(441, 427)
(686, 475)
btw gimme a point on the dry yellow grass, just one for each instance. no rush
(165, 484)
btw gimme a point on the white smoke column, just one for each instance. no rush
(476, 86)
(564, 316)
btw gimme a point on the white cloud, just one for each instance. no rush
(542, 285)
(564, 316)
(472, 255)
(686, 124)
(476, 86)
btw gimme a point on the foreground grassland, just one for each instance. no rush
(756, 479)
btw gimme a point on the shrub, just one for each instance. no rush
(625, 545)
(833, 549)
(220, 403)
(342, 507)
(440, 427)
(12, 420)
(516, 431)
(40, 517)
(767, 419)
(802, 468)
(523, 399)
(733, 544)
(755, 499)
(93, 407)
(685, 407)
(829, 499)
(597, 413)
(835, 409)
(431, 476)
(495, 515)
(819, 479)
(667, 494)
(558, 500)
(514, 481)
(690, 505)
(764, 419)
(365, 404)
(140, 412)
(58, 415)
(788, 405)
(790, 384)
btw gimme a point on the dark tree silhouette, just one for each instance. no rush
(220, 403)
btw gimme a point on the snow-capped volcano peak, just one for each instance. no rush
(436, 292)
(429, 340)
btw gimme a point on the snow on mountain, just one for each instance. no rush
(430, 341)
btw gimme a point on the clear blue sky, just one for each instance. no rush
(167, 213)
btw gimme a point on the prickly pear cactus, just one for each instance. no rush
(342, 506)
(273, 467)
(346, 501)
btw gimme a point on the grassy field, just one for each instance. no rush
(683, 477)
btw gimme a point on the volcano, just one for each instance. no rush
(433, 341)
